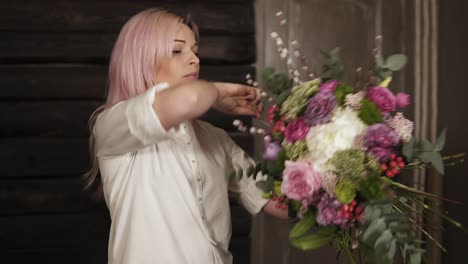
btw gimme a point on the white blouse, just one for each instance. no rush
(166, 190)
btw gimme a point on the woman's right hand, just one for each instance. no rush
(238, 99)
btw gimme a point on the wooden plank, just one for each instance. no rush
(36, 232)
(227, 16)
(47, 196)
(70, 118)
(80, 81)
(96, 47)
(77, 255)
(59, 157)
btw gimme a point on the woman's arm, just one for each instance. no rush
(190, 100)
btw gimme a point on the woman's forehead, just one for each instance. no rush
(185, 35)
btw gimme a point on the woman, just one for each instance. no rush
(163, 172)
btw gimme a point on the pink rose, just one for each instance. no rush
(383, 98)
(402, 100)
(300, 181)
(329, 86)
(296, 130)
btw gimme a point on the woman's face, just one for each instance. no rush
(184, 63)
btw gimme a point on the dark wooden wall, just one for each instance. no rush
(53, 71)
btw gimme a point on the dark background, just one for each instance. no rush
(53, 71)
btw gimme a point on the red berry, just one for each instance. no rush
(399, 159)
(401, 164)
(384, 167)
(345, 207)
(396, 171)
(390, 174)
(346, 215)
(353, 203)
(274, 197)
(278, 205)
(280, 199)
(359, 210)
(284, 206)
(393, 164)
(392, 156)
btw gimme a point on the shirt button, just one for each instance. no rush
(193, 161)
(203, 217)
(199, 179)
(200, 199)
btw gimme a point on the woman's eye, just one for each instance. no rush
(197, 54)
(176, 51)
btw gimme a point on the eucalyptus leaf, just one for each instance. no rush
(415, 257)
(392, 249)
(426, 157)
(303, 226)
(425, 145)
(396, 62)
(440, 143)
(438, 163)
(230, 174)
(373, 231)
(408, 150)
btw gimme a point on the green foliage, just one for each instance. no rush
(276, 83)
(341, 91)
(345, 191)
(426, 152)
(370, 187)
(320, 239)
(304, 225)
(385, 230)
(266, 185)
(334, 69)
(369, 113)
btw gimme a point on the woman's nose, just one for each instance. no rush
(194, 59)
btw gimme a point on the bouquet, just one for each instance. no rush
(334, 154)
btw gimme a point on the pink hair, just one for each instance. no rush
(144, 41)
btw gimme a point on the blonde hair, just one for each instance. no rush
(144, 41)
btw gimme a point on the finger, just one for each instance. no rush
(244, 111)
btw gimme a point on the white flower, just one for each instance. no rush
(323, 141)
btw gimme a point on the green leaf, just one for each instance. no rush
(282, 96)
(438, 163)
(311, 241)
(396, 62)
(440, 143)
(327, 230)
(369, 113)
(415, 257)
(425, 145)
(341, 91)
(426, 157)
(392, 249)
(257, 169)
(303, 226)
(345, 192)
(373, 231)
(408, 150)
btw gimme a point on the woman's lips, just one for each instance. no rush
(193, 76)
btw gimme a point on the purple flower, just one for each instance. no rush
(329, 86)
(380, 135)
(383, 98)
(402, 100)
(272, 151)
(296, 130)
(380, 141)
(382, 154)
(320, 107)
(330, 211)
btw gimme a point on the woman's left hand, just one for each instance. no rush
(238, 99)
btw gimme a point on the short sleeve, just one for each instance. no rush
(130, 125)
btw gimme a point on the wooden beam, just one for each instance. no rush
(81, 81)
(67, 15)
(95, 47)
(69, 119)
(59, 157)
